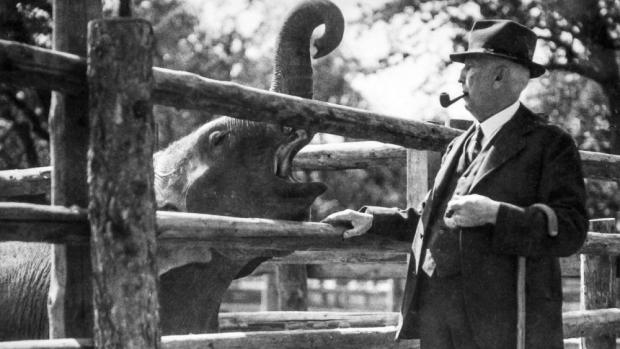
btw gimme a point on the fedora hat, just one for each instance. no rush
(504, 39)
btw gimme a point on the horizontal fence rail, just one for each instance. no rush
(42, 223)
(22, 64)
(591, 322)
(322, 265)
(362, 155)
(26, 182)
(333, 156)
(296, 320)
(345, 338)
(331, 257)
(576, 324)
(371, 264)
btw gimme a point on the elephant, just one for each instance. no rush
(228, 167)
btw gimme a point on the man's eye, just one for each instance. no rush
(169, 207)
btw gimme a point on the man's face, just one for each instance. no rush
(479, 83)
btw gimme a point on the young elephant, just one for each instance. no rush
(227, 167)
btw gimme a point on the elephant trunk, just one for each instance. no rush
(292, 67)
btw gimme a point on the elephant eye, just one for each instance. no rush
(217, 137)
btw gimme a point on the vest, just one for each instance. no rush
(444, 242)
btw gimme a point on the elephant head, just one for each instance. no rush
(240, 168)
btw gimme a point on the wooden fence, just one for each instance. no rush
(118, 121)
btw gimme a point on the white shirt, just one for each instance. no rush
(492, 125)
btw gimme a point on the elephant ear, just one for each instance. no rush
(292, 65)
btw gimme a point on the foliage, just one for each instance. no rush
(579, 37)
(23, 111)
(26, 21)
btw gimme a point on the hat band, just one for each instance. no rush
(505, 53)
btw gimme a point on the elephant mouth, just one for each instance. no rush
(283, 166)
(283, 159)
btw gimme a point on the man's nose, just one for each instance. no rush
(462, 76)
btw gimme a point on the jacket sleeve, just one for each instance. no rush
(526, 231)
(393, 222)
(399, 224)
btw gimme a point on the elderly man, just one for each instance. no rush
(509, 186)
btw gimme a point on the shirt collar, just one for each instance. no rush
(493, 124)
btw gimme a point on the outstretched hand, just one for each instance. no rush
(358, 222)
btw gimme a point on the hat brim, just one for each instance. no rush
(536, 69)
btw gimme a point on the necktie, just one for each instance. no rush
(475, 144)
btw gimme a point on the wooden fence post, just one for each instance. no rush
(598, 284)
(120, 162)
(70, 294)
(422, 166)
(269, 296)
(291, 281)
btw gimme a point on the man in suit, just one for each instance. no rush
(509, 186)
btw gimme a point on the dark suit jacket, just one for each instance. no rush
(529, 162)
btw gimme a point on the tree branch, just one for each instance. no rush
(580, 69)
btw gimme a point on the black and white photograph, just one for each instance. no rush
(309, 174)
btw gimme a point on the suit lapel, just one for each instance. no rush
(441, 181)
(508, 142)
(450, 162)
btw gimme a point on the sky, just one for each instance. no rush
(409, 89)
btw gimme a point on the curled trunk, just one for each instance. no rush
(292, 66)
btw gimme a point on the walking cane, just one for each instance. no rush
(521, 303)
(552, 230)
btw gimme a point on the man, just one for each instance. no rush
(509, 186)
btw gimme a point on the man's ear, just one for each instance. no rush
(501, 75)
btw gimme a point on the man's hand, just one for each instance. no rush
(470, 211)
(358, 222)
